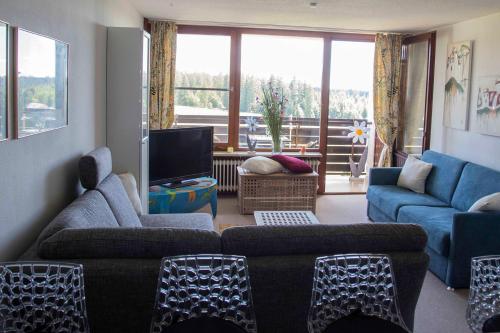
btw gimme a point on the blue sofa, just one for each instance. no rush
(454, 235)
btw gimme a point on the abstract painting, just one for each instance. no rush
(486, 118)
(456, 100)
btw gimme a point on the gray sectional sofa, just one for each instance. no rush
(121, 254)
(455, 235)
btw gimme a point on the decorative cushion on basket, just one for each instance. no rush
(489, 202)
(414, 174)
(293, 164)
(262, 165)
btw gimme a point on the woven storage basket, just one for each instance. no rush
(279, 191)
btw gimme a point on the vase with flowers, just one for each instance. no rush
(272, 107)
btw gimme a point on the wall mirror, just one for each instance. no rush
(4, 39)
(41, 83)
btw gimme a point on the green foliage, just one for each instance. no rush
(304, 99)
(37, 90)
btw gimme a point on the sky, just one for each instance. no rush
(285, 57)
(3, 49)
(31, 60)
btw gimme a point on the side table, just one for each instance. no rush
(163, 200)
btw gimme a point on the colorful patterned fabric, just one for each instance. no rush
(386, 91)
(163, 200)
(163, 49)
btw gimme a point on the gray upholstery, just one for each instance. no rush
(128, 243)
(88, 211)
(112, 189)
(117, 287)
(309, 239)
(95, 167)
(200, 221)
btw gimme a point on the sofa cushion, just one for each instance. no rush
(414, 174)
(128, 243)
(202, 221)
(113, 191)
(389, 199)
(95, 167)
(476, 182)
(436, 221)
(321, 239)
(444, 176)
(88, 211)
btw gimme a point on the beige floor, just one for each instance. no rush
(342, 184)
(438, 310)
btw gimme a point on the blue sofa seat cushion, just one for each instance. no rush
(476, 182)
(443, 178)
(390, 198)
(436, 221)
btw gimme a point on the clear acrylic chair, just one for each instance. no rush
(483, 310)
(353, 291)
(204, 291)
(42, 297)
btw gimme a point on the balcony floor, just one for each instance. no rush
(340, 184)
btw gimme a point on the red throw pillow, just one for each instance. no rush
(293, 164)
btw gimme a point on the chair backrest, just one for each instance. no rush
(42, 297)
(197, 286)
(346, 284)
(484, 293)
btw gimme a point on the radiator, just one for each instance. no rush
(227, 176)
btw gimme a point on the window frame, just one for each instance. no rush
(235, 34)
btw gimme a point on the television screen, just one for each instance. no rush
(180, 154)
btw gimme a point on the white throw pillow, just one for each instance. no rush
(489, 202)
(414, 174)
(128, 181)
(262, 165)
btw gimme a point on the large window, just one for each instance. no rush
(220, 72)
(295, 65)
(202, 83)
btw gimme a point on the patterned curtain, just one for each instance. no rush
(386, 90)
(163, 47)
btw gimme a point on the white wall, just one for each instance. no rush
(38, 174)
(471, 146)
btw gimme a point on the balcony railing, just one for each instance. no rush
(297, 132)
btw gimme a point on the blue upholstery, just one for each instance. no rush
(384, 176)
(454, 235)
(436, 221)
(476, 182)
(443, 178)
(389, 198)
(376, 215)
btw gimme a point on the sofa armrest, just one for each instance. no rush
(473, 234)
(128, 243)
(384, 176)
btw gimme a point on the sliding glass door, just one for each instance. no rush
(350, 114)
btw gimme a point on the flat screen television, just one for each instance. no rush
(180, 154)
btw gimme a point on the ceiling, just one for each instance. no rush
(349, 15)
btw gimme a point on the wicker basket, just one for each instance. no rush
(280, 191)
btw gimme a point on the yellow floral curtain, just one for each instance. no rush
(163, 47)
(386, 91)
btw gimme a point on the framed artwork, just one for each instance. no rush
(486, 116)
(457, 87)
(4, 65)
(40, 83)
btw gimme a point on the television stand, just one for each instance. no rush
(181, 184)
(165, 200)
